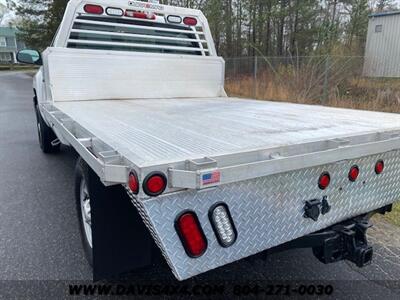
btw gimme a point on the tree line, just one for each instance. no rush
(244, 27)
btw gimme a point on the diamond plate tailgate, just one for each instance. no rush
(269, 211)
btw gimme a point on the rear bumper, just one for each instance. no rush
(269, 211)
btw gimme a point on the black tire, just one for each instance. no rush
(119, 242)
(45, 134)
(82, 173)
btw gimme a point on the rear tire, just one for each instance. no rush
(46, 135)
(83, 207)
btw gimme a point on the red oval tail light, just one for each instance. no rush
(191, 234)
(354, 173)
(379, 167)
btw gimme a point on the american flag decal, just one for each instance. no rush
(211, 178)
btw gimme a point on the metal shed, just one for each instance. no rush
(382, 54)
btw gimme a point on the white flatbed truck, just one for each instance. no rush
(166, 158)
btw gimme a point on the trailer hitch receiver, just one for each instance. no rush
(346, 242)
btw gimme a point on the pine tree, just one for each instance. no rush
(385, 5)
(243, 27)
(357, 26)
(53, 18)
(39, 20)
(32, 24)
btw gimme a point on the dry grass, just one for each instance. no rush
(17, 68)
(394, 216)
(355, 93)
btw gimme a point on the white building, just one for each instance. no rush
(382, 54)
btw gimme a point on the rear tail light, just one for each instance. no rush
(133, 183)
(139, 15)
(379, 167)
(223, 225)
(112, 11)
(155, 184)
(189, 21)
(324, 181)
(191, 234)
(354, 173)
(174, 19)
(93, 9)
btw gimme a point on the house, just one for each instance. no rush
(9, 45)
(383, 45)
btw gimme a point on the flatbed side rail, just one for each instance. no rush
(107, 163)
(280, 160)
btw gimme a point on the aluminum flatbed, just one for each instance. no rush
(243, 138)
(268, 154)
(159, 131)
(137, 89)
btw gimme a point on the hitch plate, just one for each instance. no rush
(346, 242)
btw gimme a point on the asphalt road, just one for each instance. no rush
(39, 236)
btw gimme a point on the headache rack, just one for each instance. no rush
(139, 35)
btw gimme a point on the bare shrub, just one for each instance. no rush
(333, 81)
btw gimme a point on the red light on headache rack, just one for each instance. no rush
(191, 234)
(139, 15)
(189, 21)
(93, 9)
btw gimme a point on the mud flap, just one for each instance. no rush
(121, 242)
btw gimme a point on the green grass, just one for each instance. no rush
(394, 216)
